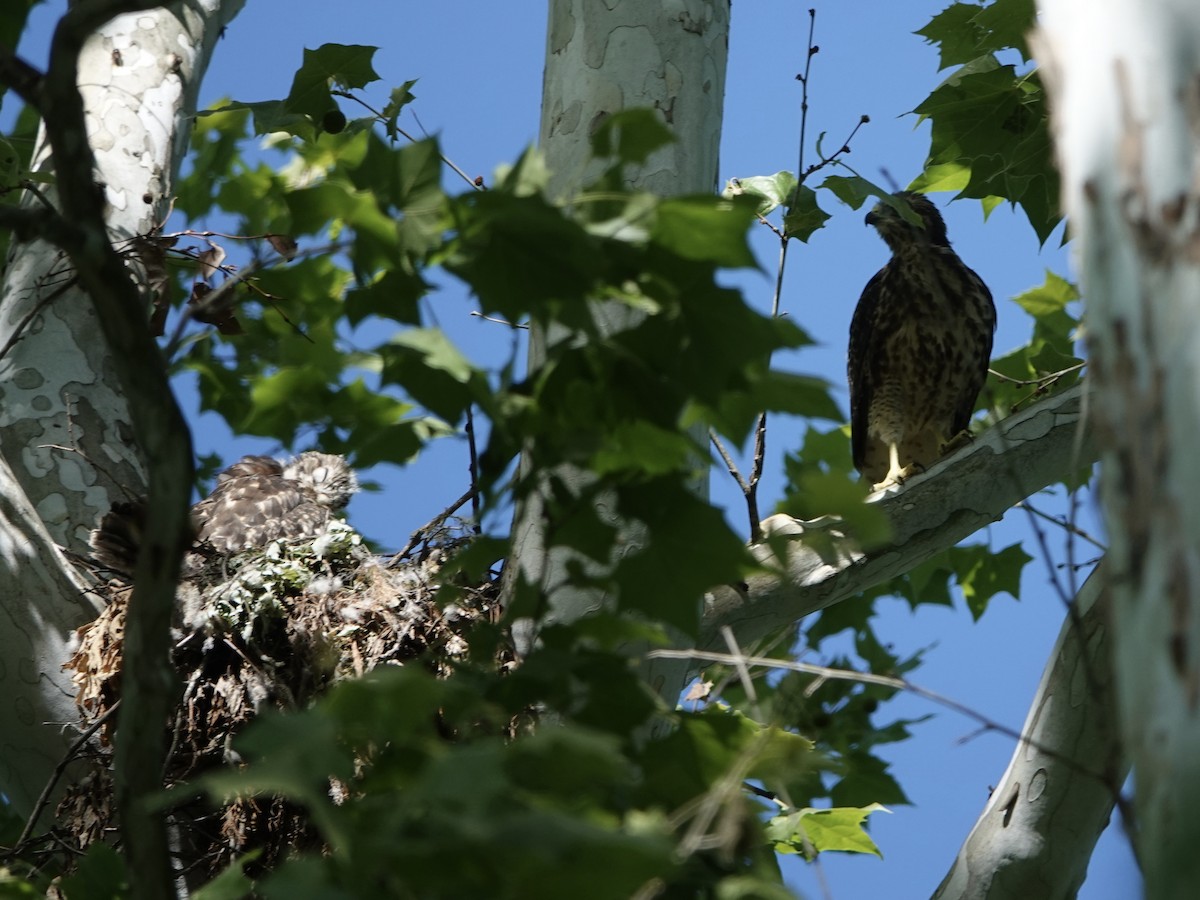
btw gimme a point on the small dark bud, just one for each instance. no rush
(334, 121)
(865, 119)
(814, 50)
(478, 182)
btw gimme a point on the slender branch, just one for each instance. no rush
(813, 50)
(476, 183)
(35, 222)
(24, 79)
(222, 297)
(826, 673)
(1041, 386)
(478, 315)
(72, 751)
(1067, 525)
(432, 525)
(473, 468)
(1044, 381)
(728, 460)
(835, 157)
(758, 461)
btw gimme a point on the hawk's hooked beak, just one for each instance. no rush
(880, 212)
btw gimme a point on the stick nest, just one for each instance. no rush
(266, 629)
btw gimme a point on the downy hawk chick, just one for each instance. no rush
(256, 500)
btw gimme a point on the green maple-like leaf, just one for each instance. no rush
(818, 830)
(990, 139)
(344, 66)
(804, 216)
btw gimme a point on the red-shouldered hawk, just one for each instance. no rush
(256, 500)
(920, 343)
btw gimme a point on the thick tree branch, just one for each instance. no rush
(932, 512)
(1124, 92)
(27, 223)
(1037, 832)
(23, 78)
(160, 431)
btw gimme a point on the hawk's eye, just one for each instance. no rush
(320, 475)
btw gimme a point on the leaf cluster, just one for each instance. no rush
(345, 338)
(436, 787)
(433, 797)
(990, 136)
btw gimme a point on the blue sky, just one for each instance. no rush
(479, 67)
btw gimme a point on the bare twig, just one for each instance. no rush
(478, 315)
(749, 485)
(728, 460)
(473, 469)
(432, 525)
(1041, 386)
(1042, 382)
(813, 50)
(68, 758)
(476, 183)
(835, 158)
(24, 79)
(826, 673)
(222, 296)
(1068, 524)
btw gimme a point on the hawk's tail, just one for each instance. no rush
(116, 539)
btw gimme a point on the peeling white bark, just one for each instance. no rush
(1037, 832)
(65, 436)
(1125, 84)
(602, 58)
(64, 426)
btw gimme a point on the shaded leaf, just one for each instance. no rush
(705, 229)
(854, 190)
(804, 216)
(283, 244)
(344, 66)
(631, 135)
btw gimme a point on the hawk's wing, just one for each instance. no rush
(985, 311)
(862, 364)
(253, 504)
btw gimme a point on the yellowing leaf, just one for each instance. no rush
(811, 831)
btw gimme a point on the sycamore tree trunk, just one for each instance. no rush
(86, 416)
(601, 59)
(1036, 835)
(1125, 84)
